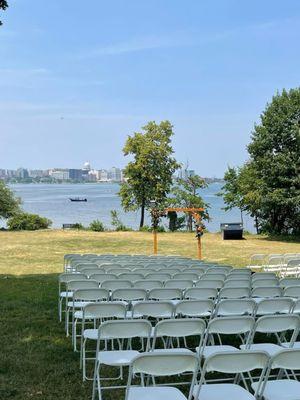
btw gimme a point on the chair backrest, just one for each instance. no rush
(112, 309)
(165, 294)
(265, 283)
(269, 291)
(231, 325)
(292, 291)
(286, 282)
(90, 295)
(234, 293)
(119, 271)
(234, 362)
(155, 309)
(263, 275)
(237, 283)
(179, 328)
(101, 277)
(148, 284)
(195, 308)
(158, 276)
(274, 306)
(275, 324)
(163, 364)
(178, 283)
(143, 271)
(228, 307)
(91, 271)
(288, 359)
(69, 276)
(84, 284)
(86, 265)
(213, 276)
(239, 271)
(214, 284)
(131, 276)
(130, 294)
(276, 260)
(187, 275)
(296, 307)
(200, 293)
(116, 284)
(124, 329)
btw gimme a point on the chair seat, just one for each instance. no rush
(222, 391)
(281, 389)
(64, 294)
(78, 304)
(296, 345)
(270, 348)
(90, 334)
(155, 393)
(209, 350)
(117, 357)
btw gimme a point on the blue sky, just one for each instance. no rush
(77, 77)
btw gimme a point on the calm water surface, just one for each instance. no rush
(52, 201)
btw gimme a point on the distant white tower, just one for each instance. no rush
(86, 166)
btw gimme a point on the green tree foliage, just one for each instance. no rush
(27, 222)
(185, 194)
(9, 204)
(149, 174)
(268, 185)
(3, 6)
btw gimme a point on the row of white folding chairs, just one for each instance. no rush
(243, 327)
(238, 364)
(156, 304)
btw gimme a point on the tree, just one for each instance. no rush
(275, 158)
(231, 191)
(149, 175)
(184, 194)
(9, 204)
(3, 6)
(268, 184)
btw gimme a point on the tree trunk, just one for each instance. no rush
(142, 214)
(242, 219)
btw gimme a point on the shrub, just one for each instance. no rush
(96, 226)
(147, 228)
(78, 225)
(28, 222)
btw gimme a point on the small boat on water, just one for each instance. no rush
(78, 199)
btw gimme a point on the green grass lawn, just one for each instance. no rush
(36, 359)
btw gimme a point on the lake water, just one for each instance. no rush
(52, 201)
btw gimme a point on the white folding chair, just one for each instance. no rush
(265, 283)
(231, 283)
(213, 276)
(129, 295)
(292, 291)
(286, 282)
(187, 276)
(230, 307)
(162, 364)
(96, 314)
(240, 326)
(278, 325)
(120, 333)
(63, 279)
(131, 276)
(239, 364)
(171, 332)
(82, 297)
(279, 388)
(263, 275)
(158, 276)
(279, 305)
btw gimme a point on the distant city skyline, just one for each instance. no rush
(76, 81)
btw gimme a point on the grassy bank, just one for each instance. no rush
(36, 359)
(41, 252)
